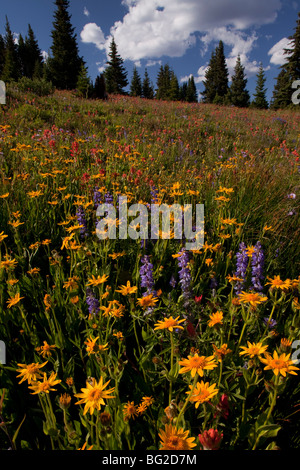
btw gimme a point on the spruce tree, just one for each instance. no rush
(216, 77)
(209, 82)
(34, 58)
(282, 92)
(260, 100)
(163, 82)
(2, 53)
(115, 73)
(173, 93)
(22, 55)
(290, 71)
(183, 91)
(83, 85)
(191, 91)
(221, 71)
(239, 95)
(147, 88)
(100, 87)
(136, 84)
(11, 67)
(293, 52)
(64, 65)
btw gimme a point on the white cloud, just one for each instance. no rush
(92, 33)
(151, 63)
(45, 55)
(277, 52)
(86, 12)
(154, 28)
(16, 38)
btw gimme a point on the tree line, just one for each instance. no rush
(65, 69)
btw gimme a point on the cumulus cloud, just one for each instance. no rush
(277, 52)
(45, 55)
(154, 28)
(86, 12)
(92, 33)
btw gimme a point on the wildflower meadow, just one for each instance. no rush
(141, 344)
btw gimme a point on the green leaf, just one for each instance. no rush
(17, 430)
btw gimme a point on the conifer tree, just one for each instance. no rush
(216, 77)
(183, 91)
(191, 91)
(64, 65)
(11, 67)
(282, 92)
(221, 72)
(83, 85)
(34, 58)
(293, 52)
(239, 95)
(147, 88)
(209, 82)
(115, 73)
(173, 92)
(290, 71)
(100, 87)
(260, 100)
(2, 53)
(163, 82)
(136, 84)
(22, 54)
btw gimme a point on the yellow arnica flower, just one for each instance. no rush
(251, 298)
(93, 348)
(221, 352)
(46, 385)
(280, 364)
(169, 323)
(277, 283)
(130, 410)
(254, 349)
(202, 392)
(128, 289)
(93, 395)
(14, 300)
(96, 281)
(30, 372)
(147, 301)
(172, 438)
(2, 236)
(197, 364)
(216, 319)
(45, 350)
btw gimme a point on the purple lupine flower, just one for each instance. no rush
(146, 274)
(154, 195)
(241, 266)
(82, 221)
(257, 267)
(108, 198)
(271, 324)
(97, 197)
(173, 282)
(185, 276)
(92, 302)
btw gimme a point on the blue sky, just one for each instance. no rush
(182, 33)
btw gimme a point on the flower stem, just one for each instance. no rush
(187, 400)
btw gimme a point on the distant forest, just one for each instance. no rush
(22, 61)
